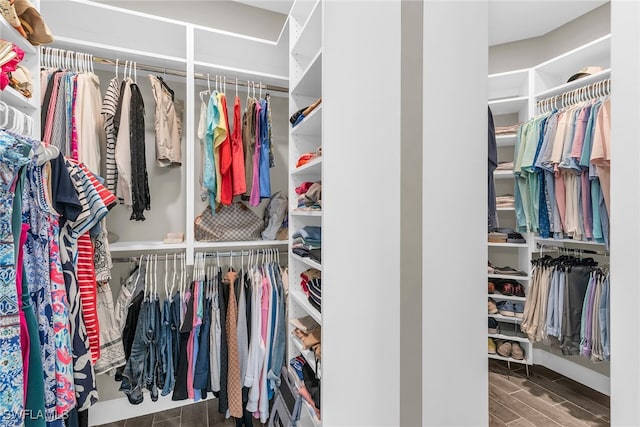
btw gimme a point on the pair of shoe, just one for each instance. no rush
(511, 309)
(515, 238)
(493, 327)
(492, 307)
(491, 287)
(509, 288)
(492, 346)
(511, 349)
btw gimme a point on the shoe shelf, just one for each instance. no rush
(506, 245)
(510, 359)
(509, 338)
(306, 212)
(507, 319)
(508, 276)
(506, 140)
(507, 298)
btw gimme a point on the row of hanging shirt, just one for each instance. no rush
(562, 169)
(53, 212)
(80, 122)
(236, 161)
(225, 333)
(568, 306)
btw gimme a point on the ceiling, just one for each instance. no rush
(509, 20)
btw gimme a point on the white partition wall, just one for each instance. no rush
(625, 213)
(454, 197)
(361, 213)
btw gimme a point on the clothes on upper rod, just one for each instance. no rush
(568, 306)
(235, 162)
(562, 169)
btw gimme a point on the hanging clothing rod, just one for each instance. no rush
(545, 248)
(575, 96)
(164, 70)
(169, 257)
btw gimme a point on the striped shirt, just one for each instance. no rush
(109, 107)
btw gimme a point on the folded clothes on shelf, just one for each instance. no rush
(504, 166)
(309, 196)
(506, 130)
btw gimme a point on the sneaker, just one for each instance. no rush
(506, 308)
(503, 348)
(492, 307)
(515, 238)
(518, 310)
(493, 326)
(492, 346)
(491, 287)
(517, 352)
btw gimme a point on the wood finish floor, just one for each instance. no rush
(545, 399)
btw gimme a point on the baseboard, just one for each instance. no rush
(112, 410)
(575, 371)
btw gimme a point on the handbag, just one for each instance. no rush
(37, 31)
(230, 223)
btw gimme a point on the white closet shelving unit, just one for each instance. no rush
(512, 98)
(305, 78)
(27, 106)
(192, 50)
(510, 103)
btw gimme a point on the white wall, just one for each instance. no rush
(625, 211)
(361, 213)
(454, 370)
(533, 51)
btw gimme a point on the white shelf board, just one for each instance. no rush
(144, 246)
(500, 297)
(506, 209)
(310, 125)
(524, 361)
(507, 276)
(249, 244)
(307, 261)
(509, 338)
(510, 83)
(562, 242)
(300, 10)
(586, 55)
(506, 140)
(308, 355)
(302, 301)
(15, 99)
(508, 105)
(503, 174)
(507, 319)
(11, 34)
(310, 81)
(310, 35)
(301, 212)
(312, 167)
(567, 87)
(506, 245)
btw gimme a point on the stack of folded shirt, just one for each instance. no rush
(307, 242)
(505, 201)
(306, 276)
(315, 293)
(309, 196)
(505, 166)
(507, 130)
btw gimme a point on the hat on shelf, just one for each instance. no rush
(587, 71)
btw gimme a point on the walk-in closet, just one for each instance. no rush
(164, 233)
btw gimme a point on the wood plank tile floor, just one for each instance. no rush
(545, 399)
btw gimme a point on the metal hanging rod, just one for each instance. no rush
(162, 257)
(546, 248)
(161, 70)
(576, 96)
(241, 253)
